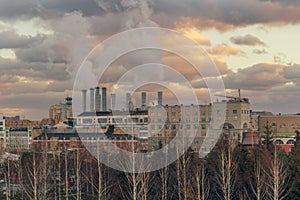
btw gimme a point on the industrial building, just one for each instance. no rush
(61, 111)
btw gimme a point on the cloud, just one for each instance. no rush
(224, 50)
(248, 40)
(195, 35)
(292, 72)
(224, 14)
(261, 76)
(259, 52)
(11, 40)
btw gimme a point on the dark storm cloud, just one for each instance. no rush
(45, 9)
(248, 40)
(50, 50)
(37, 71)
(86, 7)
(237, 13)
(25, 9)
(11, 40)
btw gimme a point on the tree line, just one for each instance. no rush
(230, 171)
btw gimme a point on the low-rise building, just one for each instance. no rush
(284, 125)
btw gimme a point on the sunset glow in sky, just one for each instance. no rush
(254, 43)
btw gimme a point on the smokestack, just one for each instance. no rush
(113, 101)
(97, 99)
(83, 100)
(159, 97)
(104, 99)
(63, 112)
(127, 101)
(144, 99)
(92, 109)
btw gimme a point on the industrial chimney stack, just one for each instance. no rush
(159, 97)
(144, 96)
(97, 99)
(104, 104)
(92, 109)
(113, 101)
(83, 100)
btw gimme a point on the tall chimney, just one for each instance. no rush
(113, 101)
(143, 99)
(127, 101)
(104, 108)
(83, 92)
(97, 99)
(159, 97)
(92, 109)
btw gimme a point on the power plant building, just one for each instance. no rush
(61, 111)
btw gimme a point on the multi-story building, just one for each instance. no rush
(2, 123)
(61, 111)
(133, 122)
(2, 128)
(17, 138)
(280, 124)
(167, 120)
(237, 118)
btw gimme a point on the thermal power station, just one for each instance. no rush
(97, 99)
(104, 104)
(83, 92)
(92, 109)
(159, 97)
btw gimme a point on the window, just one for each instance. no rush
(234, 112)
(290, 142)
(87, 120)
(203, 127)
(279, 142)
(188, 126)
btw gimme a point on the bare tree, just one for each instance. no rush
(258, 184)
(226, 166)
(277, 180)
(66, 173)
(203, 187)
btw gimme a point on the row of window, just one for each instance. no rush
(114, 120)
(181, 126)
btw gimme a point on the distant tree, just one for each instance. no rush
(268, 138)
(295, 169)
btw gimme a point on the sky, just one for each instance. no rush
(254, 44)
